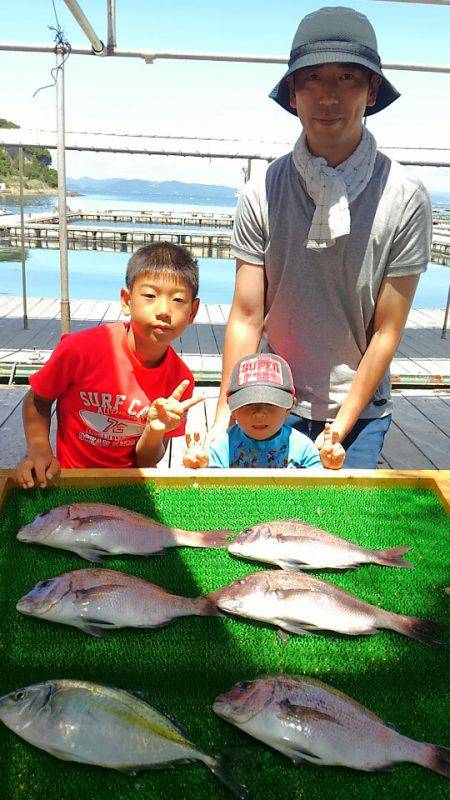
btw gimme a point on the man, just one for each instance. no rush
(330, 244)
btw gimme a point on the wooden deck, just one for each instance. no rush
(419, 437)
(422, 352)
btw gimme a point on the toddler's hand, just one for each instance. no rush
(332, 454)
(195, 456)
(42, 463)
(167, 413)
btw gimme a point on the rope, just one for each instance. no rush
(60, 41)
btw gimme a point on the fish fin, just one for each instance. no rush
(153, 627)
(393, 557)
(205, 605)
(283, 636)
(384, 768)
(86, 595)
(295, 626)
(291, 565)
(298, 756)
(93, 627)
(91, 554)
(423, 630)
(291, 711)
(219, 538)
(220, 767)
(160, 552)
(439, 760)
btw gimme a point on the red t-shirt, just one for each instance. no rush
(103, 395)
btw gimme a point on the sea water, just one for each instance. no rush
(99, 275)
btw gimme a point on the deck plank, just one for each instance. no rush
(417, 439)
(421, 350)
(402, 453)
(421, 432)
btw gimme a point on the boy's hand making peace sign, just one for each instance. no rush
(167, 413)
(332, 454)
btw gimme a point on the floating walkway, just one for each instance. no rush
(114, 239)
(41, 230)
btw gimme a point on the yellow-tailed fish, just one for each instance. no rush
(92, 724)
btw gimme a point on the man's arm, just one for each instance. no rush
(391, 312)
(37, 412)
(244, 329)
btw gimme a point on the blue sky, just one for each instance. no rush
(206, 98)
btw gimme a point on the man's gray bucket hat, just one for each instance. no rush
(335, 36)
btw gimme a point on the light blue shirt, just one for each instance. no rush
(288, 449)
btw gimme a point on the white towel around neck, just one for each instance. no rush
(333, 188)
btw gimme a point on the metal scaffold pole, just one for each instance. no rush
(22, 243)
(61, 51)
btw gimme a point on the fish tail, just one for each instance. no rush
(424, 630)
(393, 557)
(439, 759)
(431, 756)
(221, 767)
(205, 606)
(203, 538)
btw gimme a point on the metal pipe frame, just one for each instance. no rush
(97, 45)
(195, 154)
(151, 56)
(22, 243)
(63, 248)
(111, 46)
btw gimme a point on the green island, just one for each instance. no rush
(39, 175)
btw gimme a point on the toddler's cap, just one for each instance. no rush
(261, 378)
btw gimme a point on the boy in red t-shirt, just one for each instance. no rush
(121, 390)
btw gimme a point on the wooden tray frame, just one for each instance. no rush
(436, 480)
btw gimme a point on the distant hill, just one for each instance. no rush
(120, 186)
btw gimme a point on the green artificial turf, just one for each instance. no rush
(184, 666)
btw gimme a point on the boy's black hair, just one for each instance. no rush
(163, 258)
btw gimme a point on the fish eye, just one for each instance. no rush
(43, 584)
(245, 685)
(19, 695)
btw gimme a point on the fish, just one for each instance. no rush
(107, 727)
(292, 544)
(95, 530)
(308, 721)
(101, 600)
(299, 603)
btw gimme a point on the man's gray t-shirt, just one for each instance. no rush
(319, 305)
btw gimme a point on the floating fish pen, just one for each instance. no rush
(184, 666)
(206, 245)
(198, 219)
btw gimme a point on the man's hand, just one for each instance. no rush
(196, 455)
(331, 452)
(167, 413)
(222, 422)
(42, 463)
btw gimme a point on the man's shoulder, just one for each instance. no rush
(265, 176)
(398, 178)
